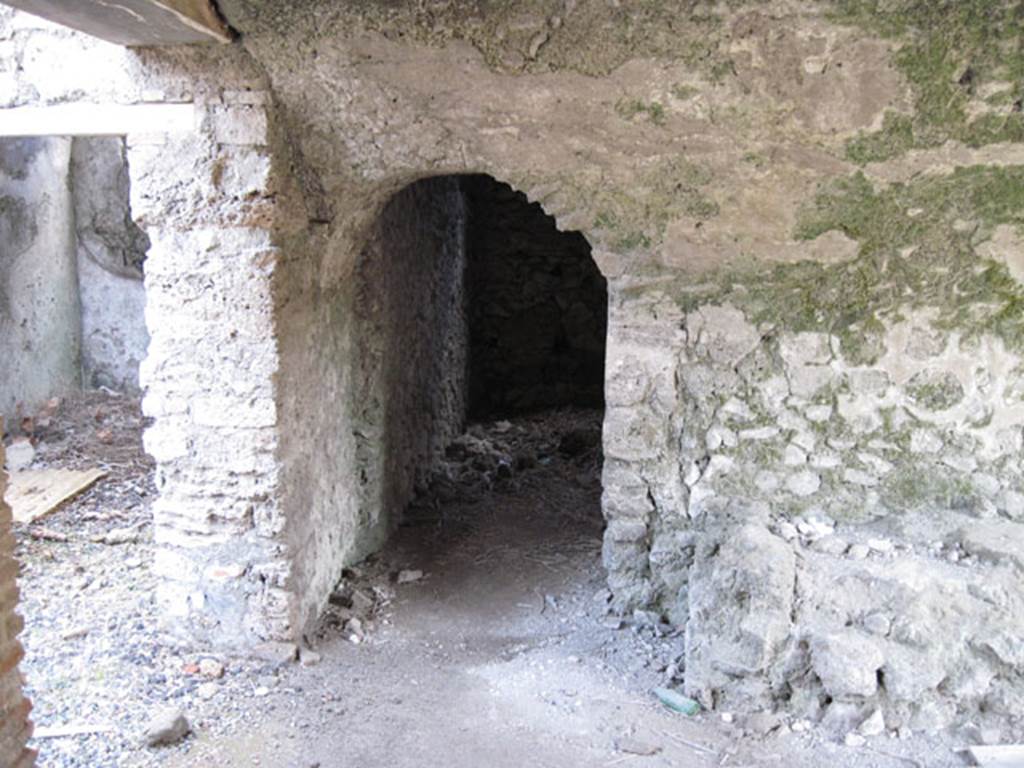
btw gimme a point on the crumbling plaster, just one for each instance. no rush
(808, 326)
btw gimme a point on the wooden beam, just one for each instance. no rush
(135, 22)
(97, 119)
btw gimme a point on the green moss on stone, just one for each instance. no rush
(628, 109)
(635, 215)
(917, 485)
(917, 249)
(947, 50)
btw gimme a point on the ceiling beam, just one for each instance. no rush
(135, 22)
(97, 120)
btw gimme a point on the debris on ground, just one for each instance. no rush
(512, 616)
(408, 577)
(630, 746)
(19, 454)
(32, 494)
(167, 726)
(676, 701)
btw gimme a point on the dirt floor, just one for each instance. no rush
(479, 637)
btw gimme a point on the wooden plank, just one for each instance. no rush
(999, 756)
(97, 119)
(135, 22)
(34, 493)
(64, 731)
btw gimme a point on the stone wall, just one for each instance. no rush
(15, 728)
(374, 377)
(111, 250)
(71, 295)
(39, 311)
(537, 307)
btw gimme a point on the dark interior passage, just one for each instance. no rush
(536, 307)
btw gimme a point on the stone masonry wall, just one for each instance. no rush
(374, 384)
(208, 202)
(111, 250)
(808, 215)
(15, 728)
(537, 307)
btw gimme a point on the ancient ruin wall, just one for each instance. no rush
(373, 384)
(808, 216)
(15, 728)
(809, 219)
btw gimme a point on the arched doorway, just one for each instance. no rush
(478, 354)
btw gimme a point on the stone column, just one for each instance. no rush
(15, 727)
(207, 203)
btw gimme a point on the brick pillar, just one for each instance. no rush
(208, 205)
(15, 727)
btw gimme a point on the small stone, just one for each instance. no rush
(815, 65)
(168, 726)
(842, 717)
(882, 546)
(761, 723)
(117, 536)
(275, 652)
(612, 622)
(308, 658)
(207, 691)
(859, 477)
(847, 664)
(727, 717)
(818, 413)
(874, 725)
(788, 531)
(859, 551)
(211, 668)
(877, 624)
(407, 577)
(354, 626)
(793, 456)
(261, 691)
(631, 746)
(800, 726)
(854, 740)
(803, 483)
(19, 455)
(362, 602)
(75, 634)
(831, 545)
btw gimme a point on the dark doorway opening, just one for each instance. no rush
(536, 307)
